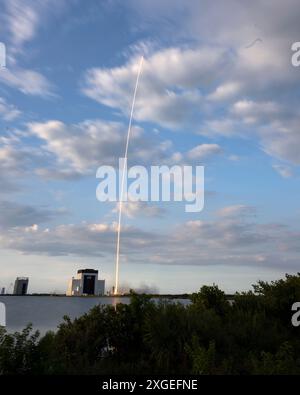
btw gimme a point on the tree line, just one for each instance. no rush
(209, 336)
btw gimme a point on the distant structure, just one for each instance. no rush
(86, 283)
(21, 286)
(3, 291)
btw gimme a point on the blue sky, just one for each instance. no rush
(217, 80)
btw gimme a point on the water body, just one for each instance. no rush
(46, 312)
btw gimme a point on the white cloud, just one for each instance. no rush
(170, 85)
(225, 91)
(84, 145)
(225, 127)
(84, 239)
(133, 209)
(252, 111)
(8, 112)
(20, 215)
(254, 67)
(69, 152)
(231, 240)
(17, 161)
(204, 151)
(193, 89)
(281, 139)
(22, 19)
(81, 148)
(28, 82)
(283, 170)
(236, 211)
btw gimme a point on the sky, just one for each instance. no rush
(217, 89)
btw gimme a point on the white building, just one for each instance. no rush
(86, 283)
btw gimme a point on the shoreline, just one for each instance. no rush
(165, 296)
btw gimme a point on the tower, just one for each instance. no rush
(86, 283)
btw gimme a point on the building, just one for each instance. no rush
(21, 286)
(86, 283)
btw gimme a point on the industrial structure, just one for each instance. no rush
(86, 283)
(21, 286)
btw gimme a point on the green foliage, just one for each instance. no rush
(211, 297)
(203, 360)
(279, 296)
(283, 362)
(251, 335)
(19, 352)
(165, 335)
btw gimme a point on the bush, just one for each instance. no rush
(252, 335)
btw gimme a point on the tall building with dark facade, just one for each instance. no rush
(21, 286)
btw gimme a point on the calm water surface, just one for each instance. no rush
(46, 312)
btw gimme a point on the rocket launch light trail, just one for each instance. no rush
(123, 178)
